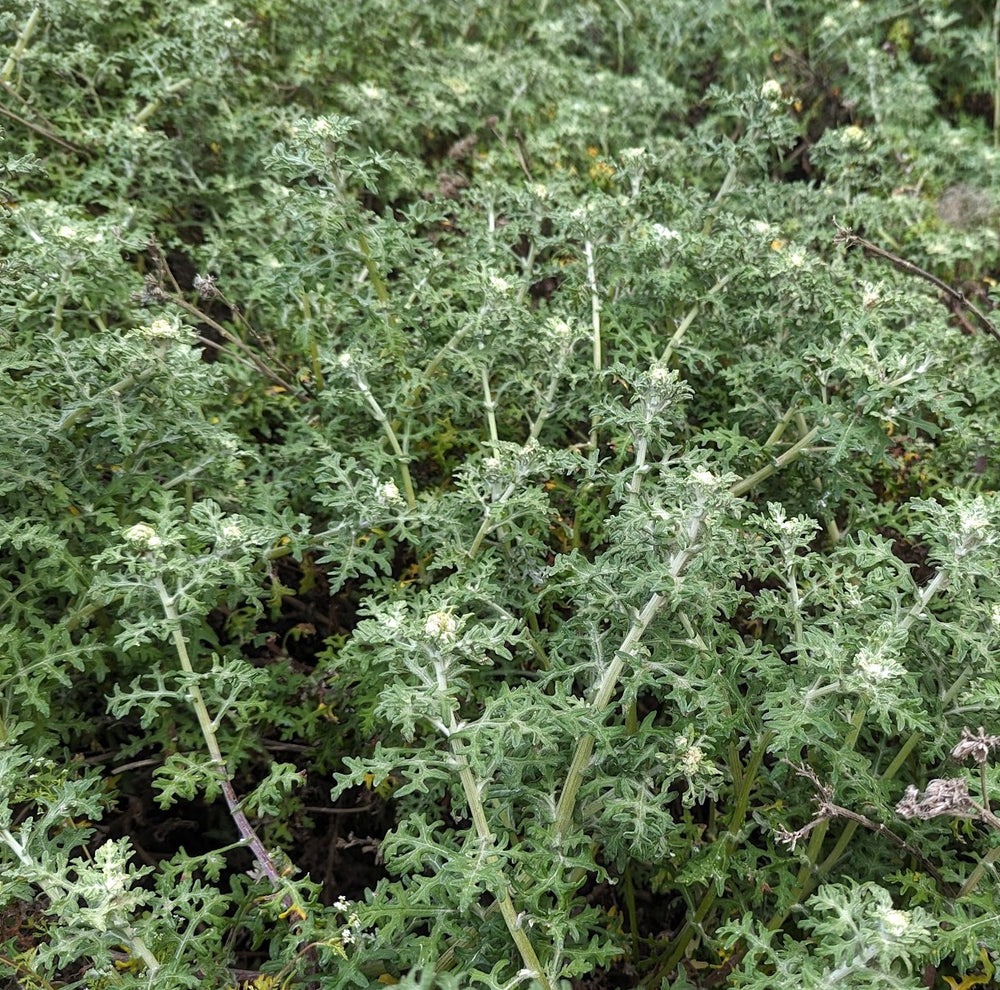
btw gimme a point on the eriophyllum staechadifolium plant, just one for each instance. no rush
(557, 489)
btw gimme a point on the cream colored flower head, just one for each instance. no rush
(144, 536)
(771, 90)
(441, 626)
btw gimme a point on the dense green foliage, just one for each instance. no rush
(484, 422)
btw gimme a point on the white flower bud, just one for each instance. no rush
(440, 626)
(974, 520)
(896, 922)
(388, 493)
(665, 234)
(854, 137)
(559, 329)
(771, 90)
(691, 759)
(143, 535)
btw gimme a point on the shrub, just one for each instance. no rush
(556, 443)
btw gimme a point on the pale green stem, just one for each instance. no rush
(641, 449)
(979, 872)
(547, 406)
(383, 419)
(381, 290)
(807, 874)
(515, 925)
(796, 602)
(96, 317)
(606, 687)
(779, 430)
(727, 184)
(233, 339)
(689, 318)
(526, 269)
(491, 408)
(57, 315)
(71, 419)
(378, 283)
(938, 583)
(21, 44)
(207, 727)
(456, 339)
(742, 487)
(317, 368)
(996, 74)
(140, 949)
(190, 473)
(548, 400)
(832, 529)
(595, 320)
(486, 524)
(150, 108)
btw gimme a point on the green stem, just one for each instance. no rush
(72, 419)
(806, 879)
(814, 869)
(639, 469)
(150, 108)
(547, 405)
(742, 487)
(491, 410)
(21, 44)
(527, 267)
(378, 283)
(609, 681)
(548, 400)
(747, 778)
(606, 687)
(595, 319)
(57, 315)
(779, 430)
(453, 342)
(208, 729)
(515, 924)
(383, 419)
(54, 886)
(630, 906)
(689, 318)
(233, 339)
(979, 872)
(996, 74)
(487, 523)
(727, 183)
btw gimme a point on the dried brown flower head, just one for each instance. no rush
(977, 745)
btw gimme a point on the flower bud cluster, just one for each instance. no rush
(143, 536)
